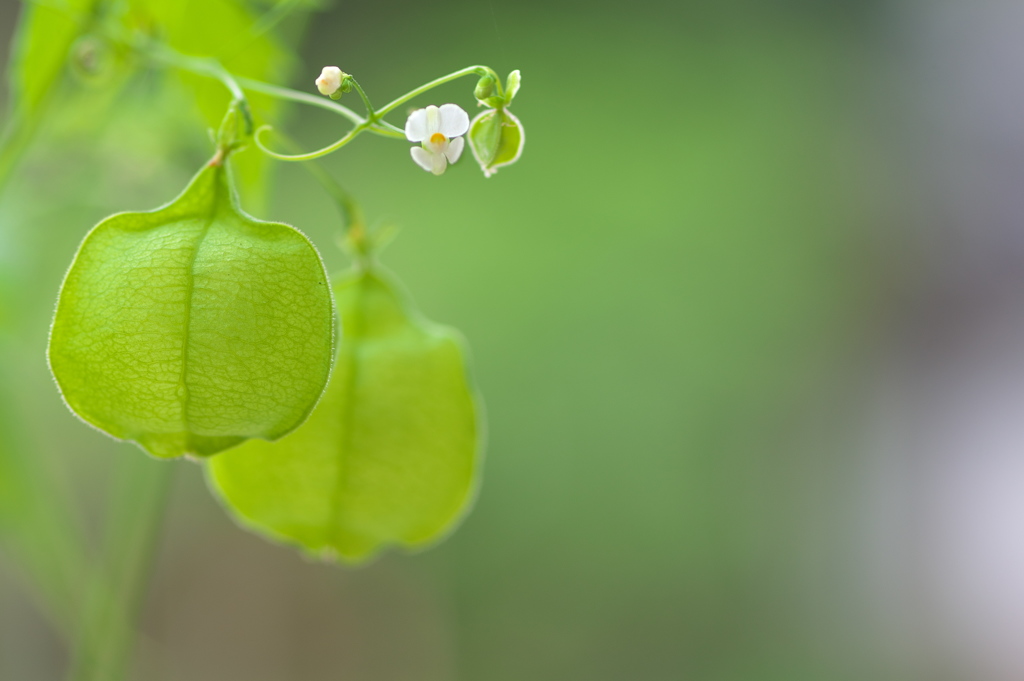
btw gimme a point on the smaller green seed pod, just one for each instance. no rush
(496, 138)
(388, 457)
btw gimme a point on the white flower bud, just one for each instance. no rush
(329, 81)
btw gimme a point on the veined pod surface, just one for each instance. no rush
(389, 455)
(194, 327)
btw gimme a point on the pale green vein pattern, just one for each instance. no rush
(194, 327)
(387, 457)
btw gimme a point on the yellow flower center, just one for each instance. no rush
(438, 138)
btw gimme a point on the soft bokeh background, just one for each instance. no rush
(746, 317)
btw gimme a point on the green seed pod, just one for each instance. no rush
(390, 453)
(194, 327)
(496, 138)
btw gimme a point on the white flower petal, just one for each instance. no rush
(454, 149)
(440, 163)
(433, 120)
(423, 158)
(416, 126)
(454, 120)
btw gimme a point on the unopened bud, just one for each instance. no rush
(330, 80)
(484, 88)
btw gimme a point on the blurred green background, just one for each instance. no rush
(668, 300)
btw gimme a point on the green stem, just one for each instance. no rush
(349, 136)
(301, 97)
(372, 123)
(203, 66)
(237, 85)
(370, 114)
(107, 627)
(468, 71)
(374, 118)
(211, 68)
(391, 128)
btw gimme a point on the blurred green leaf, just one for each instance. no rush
(42, 39)
(389, 454)
(227, 31)
(106, 629)
(193, 327)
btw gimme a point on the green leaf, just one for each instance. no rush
(390, 453)
(193, 327)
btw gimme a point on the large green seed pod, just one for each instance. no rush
(387, 457)
(194, 327)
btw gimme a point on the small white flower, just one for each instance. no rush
(439, 131)
(329, 80)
